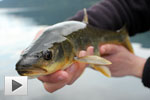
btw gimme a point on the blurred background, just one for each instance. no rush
(20, 20)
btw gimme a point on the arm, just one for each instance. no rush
(146, 74)
(109, 14)
(114, 14)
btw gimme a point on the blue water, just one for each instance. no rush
(18, 28)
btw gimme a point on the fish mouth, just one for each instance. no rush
(28, 66)
(31, 71)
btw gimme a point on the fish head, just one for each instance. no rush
(46, 55)
(41, 63)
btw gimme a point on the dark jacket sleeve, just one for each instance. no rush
(114, 14)
(146, 74)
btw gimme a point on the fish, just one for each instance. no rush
(58, 46)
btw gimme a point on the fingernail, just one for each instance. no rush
(60, 78)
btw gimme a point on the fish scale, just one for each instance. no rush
(58, 47)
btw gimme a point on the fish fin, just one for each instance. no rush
(33, 77)
(92, 59)
(85, 19)
(126, 42)
(103, 69)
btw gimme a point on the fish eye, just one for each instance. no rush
(47, 55)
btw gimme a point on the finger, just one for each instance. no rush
(72, 71)
(78, 69)
(78, 74)
(51, 87)
(55, 77)
(82, 53)
(108, 49)
(90, 50)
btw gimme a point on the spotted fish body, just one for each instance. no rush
(58, 47)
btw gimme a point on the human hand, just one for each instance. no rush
(61, 78)
(123, 62)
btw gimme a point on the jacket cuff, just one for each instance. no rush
(146, 73)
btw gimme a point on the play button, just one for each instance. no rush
(16, 85)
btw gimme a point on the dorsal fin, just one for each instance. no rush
(123, 29)
(85, 18)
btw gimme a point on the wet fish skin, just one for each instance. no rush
(65, 40)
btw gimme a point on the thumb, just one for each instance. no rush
(108, 49)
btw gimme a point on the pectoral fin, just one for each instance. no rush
(95, 60)
(103, 69)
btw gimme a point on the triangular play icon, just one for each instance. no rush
(15, 85)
